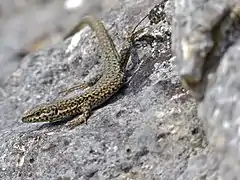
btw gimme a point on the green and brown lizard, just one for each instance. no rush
(109, 83)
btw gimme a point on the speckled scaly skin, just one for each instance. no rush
(109, 83)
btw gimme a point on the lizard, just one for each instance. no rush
(107, 85)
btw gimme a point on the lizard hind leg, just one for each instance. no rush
(81, 86)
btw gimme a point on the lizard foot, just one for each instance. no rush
(76, 122)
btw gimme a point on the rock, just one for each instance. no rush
(206, 43)
(27, 26)
(148, 130)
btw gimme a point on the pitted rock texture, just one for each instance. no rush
(148, 130)
(206, 42)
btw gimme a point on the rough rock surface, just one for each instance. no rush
(29, 25)
(206, 41)
(148, 130)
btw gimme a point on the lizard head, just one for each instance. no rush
(41, 113)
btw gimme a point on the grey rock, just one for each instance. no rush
(206, 42)
(24, 24)
(148, 130)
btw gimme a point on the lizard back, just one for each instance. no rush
(107, 85)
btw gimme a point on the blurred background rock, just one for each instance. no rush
(26, 26)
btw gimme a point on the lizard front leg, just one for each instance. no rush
(86, 112)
